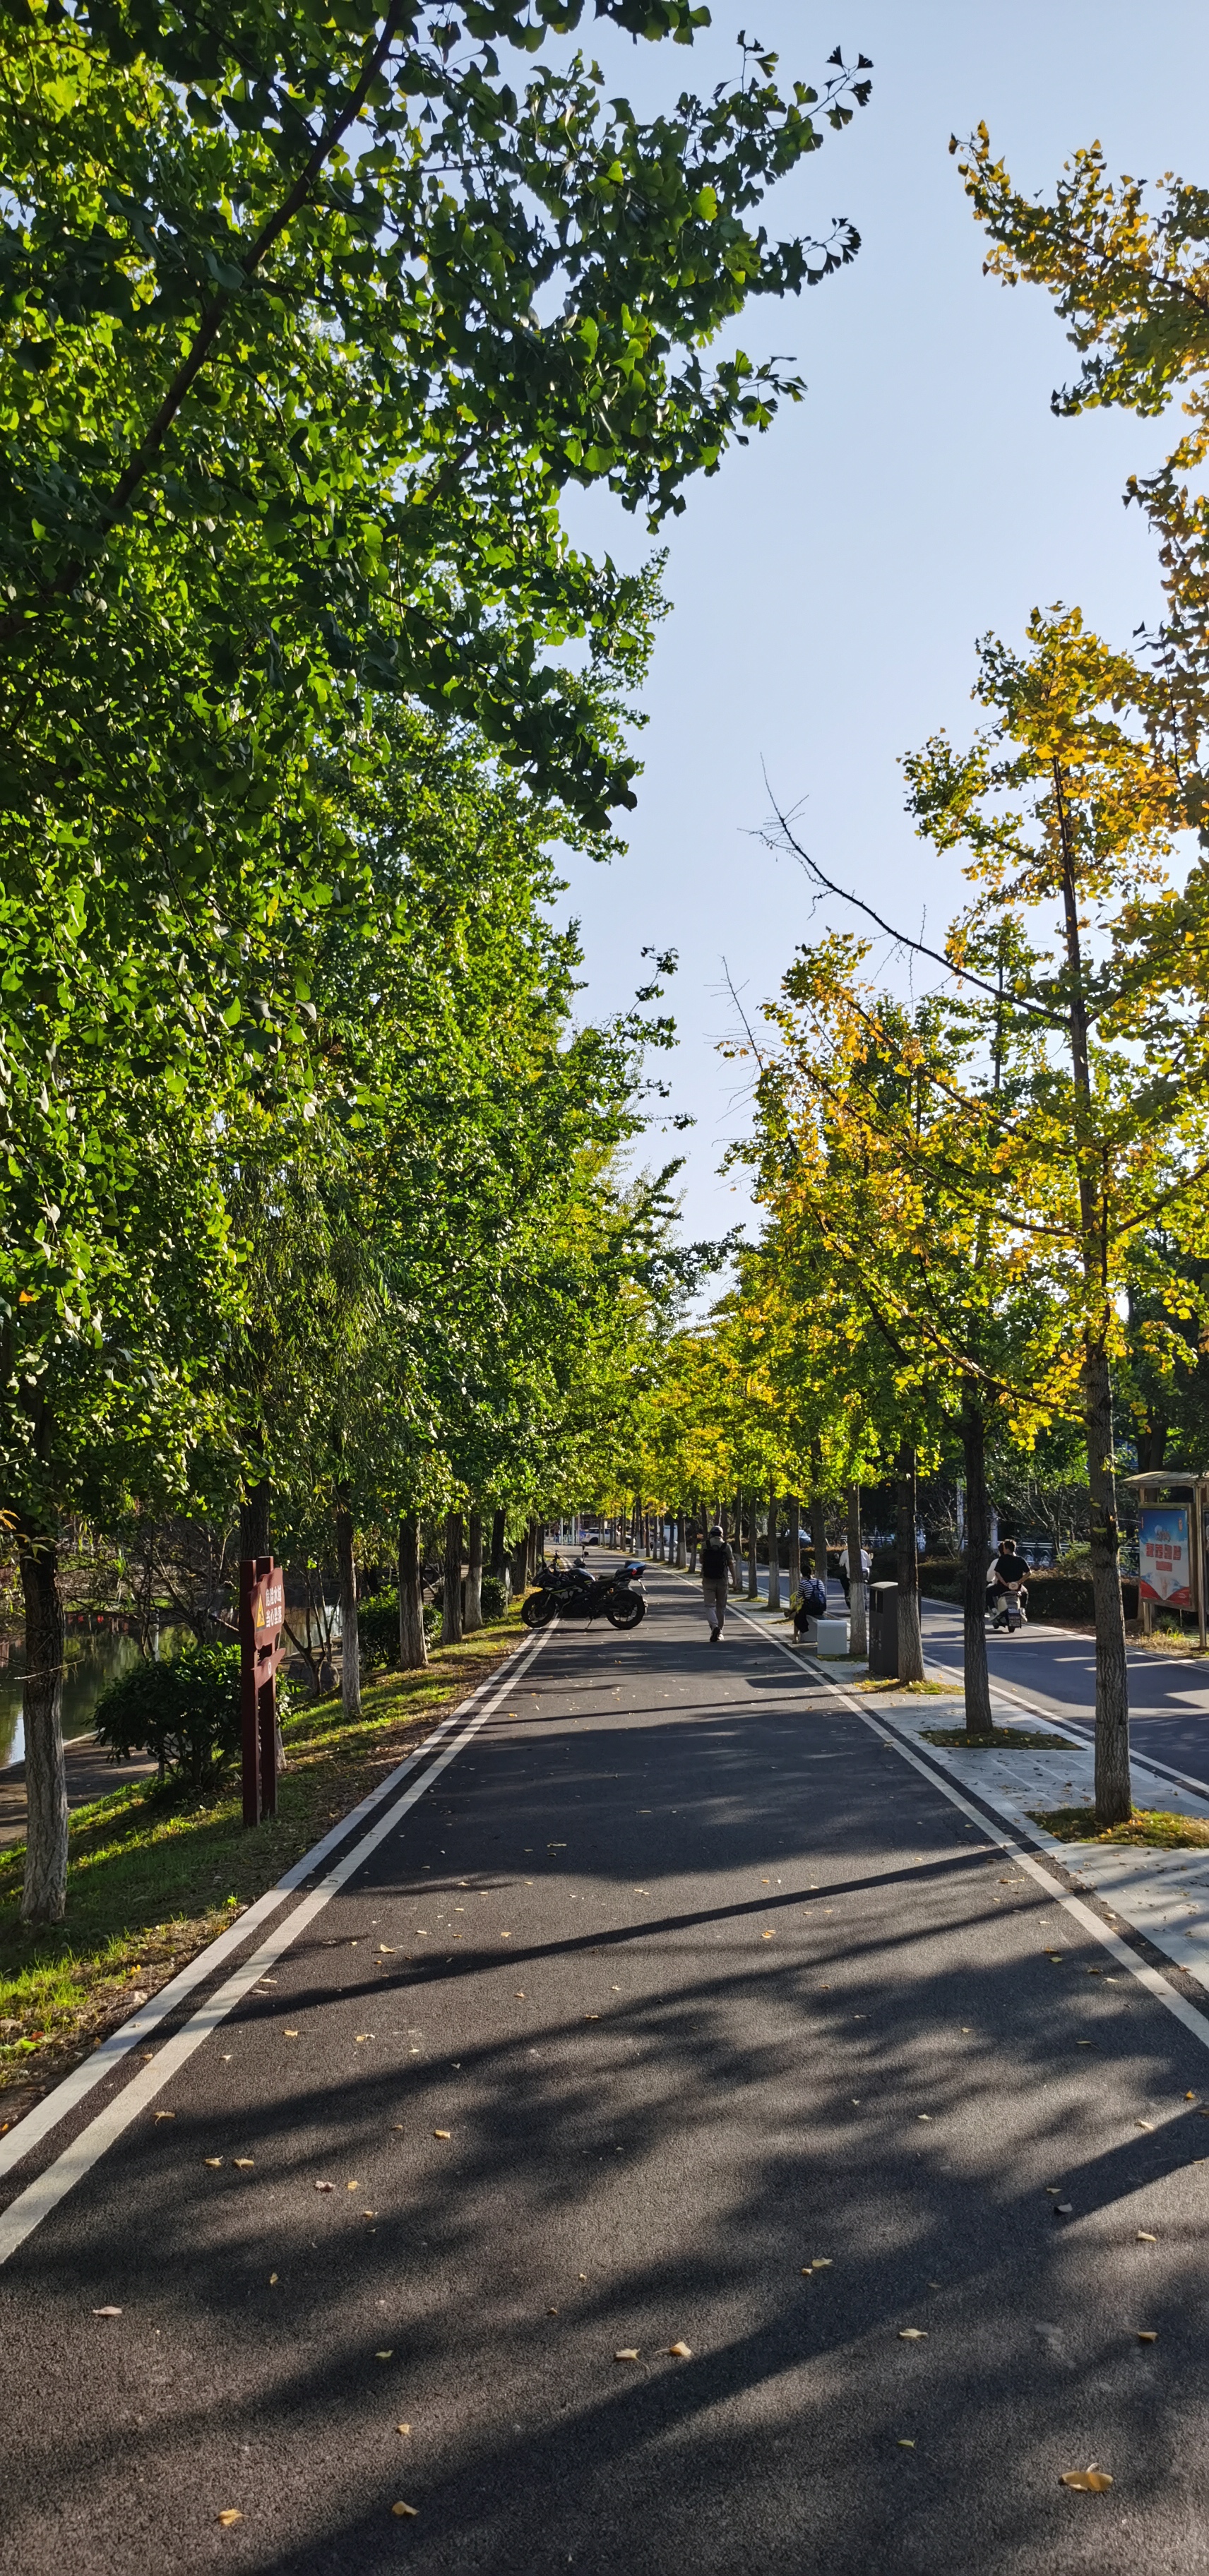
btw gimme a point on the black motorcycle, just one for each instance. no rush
(571, 1592)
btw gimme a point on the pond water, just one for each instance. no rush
(94, 1655)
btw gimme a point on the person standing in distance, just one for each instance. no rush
(717, 1569)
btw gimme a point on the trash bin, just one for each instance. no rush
(883, 1631)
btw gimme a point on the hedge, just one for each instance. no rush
(1055, 1599)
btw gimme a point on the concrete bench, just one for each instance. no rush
(826, 1636)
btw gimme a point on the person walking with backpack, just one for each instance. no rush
(717, 1571)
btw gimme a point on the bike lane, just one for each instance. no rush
(679, 2011)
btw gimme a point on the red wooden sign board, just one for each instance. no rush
(261, 1618)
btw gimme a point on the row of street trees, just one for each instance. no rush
(987, 1227)
(313, 1200)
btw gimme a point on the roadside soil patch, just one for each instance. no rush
(1154, 1827)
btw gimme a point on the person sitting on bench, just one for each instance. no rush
(812, 1604)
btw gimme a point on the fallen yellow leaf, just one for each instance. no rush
(107, 2312)
(1146, 2335)
(822, 2262)
(766, 1936)
(363, 2034)
(680, 2351)
(1144, 2237)
(904, 2445)
(213, 2163)
(385, 2356)
(290, 2034)
(442, 2133)
(352, 2186)
(244, 2163)
(387, 1950)
(231, 2515)
(1090, 2481)
(402, 2428)
(1143, 2124)
(629, 2352)
(272, 2280)
(912, 2334)
(409, 2510)
(165, 2115)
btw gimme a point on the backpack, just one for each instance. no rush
(814, 1598)
(713, 1559)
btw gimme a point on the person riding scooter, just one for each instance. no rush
(1008, 1577)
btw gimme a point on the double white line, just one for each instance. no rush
(69, 2167)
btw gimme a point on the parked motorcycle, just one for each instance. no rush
(1012, 1610)
(571, 1592)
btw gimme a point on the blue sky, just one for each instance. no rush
(827, 587)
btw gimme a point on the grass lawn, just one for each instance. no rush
(916, 1690)
(152, 1878)
(1153, 1826)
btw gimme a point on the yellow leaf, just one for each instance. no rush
(213, 2163)
(388, 1952)
(807, 2269)
(1143, 2124)
(409, 2511)
(904, 2445)
(1146, 2335)
(245, 2163)
(924, 2115)
(822, 2262)
(1090, 2481)
(107, 2312)
(385, 2356)
(628, 2353)
(680, 2351)
(272, 2280)
(231, 2515)
(362, 2035)
(1144, 2237)
(165, 2115)
(402, 2428)
(912, 2334)
(766, 1936)
(290, 2034)
(352, 2186)
(442, 2133)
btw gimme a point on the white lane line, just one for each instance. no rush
(1195, 2022)
(76, 2159)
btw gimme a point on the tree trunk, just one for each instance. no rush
(44, 1899)
(694, 1541)
(254, 1519)
(681, 1542)
(474, 1573)
(910, 1640)
(858, 1613)
(818, 1536)
(520, 1566)
(350, 1642)
(793, 1548)
(738, 1582)
(978, 1557)
(413, 1644)
(451, 1605)
(774, 1553)
(498, 1556)
(753, 1579)
(1114, 1786)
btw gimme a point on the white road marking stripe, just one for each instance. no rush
(1195, 2022)
(75, 2160)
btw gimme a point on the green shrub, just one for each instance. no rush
(184, 1711)
(378, 1630)
(494, 1597)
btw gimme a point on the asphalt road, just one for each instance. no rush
(1055, 1670)
(632, 1953)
